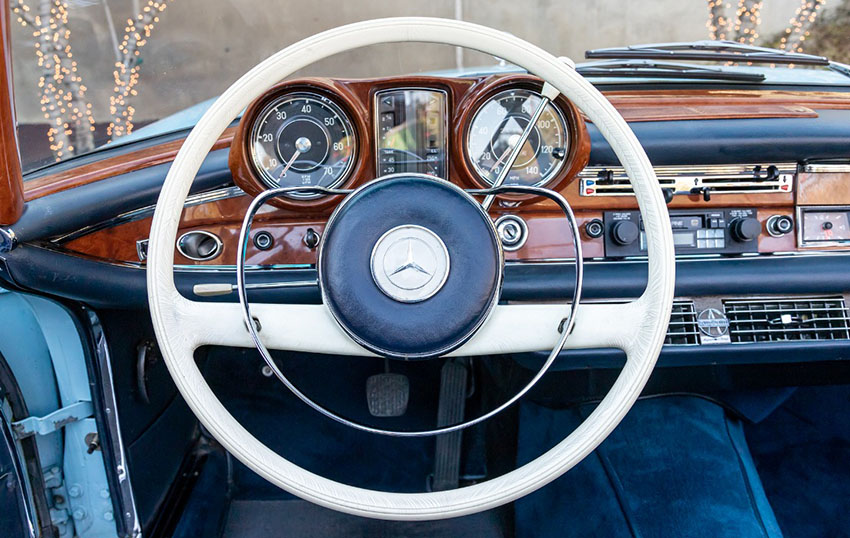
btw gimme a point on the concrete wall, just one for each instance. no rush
(201, 46)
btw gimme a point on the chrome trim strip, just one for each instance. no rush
(124, 496)
(147, 211)
(827, 168)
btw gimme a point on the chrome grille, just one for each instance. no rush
(786, 319)
(682, 330)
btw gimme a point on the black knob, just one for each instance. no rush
(668, 194)
(594, 228)
(624, 232)
(263, 240)
(311, 238)
(778, 225)
(745, 229)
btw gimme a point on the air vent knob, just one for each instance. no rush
(624, 232)
(744, 230)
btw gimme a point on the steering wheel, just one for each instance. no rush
(636, 327)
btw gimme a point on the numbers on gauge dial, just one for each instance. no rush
(302, 139)
(496, 128)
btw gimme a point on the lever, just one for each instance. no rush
(213, 290)
(705, 191)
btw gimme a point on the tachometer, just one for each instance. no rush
(496, 128)
(304, 139)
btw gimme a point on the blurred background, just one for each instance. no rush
(88, 72)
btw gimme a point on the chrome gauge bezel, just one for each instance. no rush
(498, 94)
(269, 107)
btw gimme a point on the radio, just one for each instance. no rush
(698, 231)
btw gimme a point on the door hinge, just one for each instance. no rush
(54, 421)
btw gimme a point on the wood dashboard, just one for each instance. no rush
(289, 221)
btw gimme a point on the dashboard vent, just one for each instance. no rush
(682, 330)
(779, 320)
(720, 179)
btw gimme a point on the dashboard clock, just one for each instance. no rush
(825, 226)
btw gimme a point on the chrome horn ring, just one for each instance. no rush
(565, 327)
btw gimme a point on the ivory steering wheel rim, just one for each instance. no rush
(637, 327)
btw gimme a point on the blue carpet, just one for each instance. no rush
(802, 452)
(676, 466)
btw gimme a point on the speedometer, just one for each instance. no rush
(302, 139)
(497, 127)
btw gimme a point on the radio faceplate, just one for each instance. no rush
(706, 231)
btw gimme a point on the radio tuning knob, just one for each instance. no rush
(745, 229)
(624, 232)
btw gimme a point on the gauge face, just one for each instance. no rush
(826, 226)
(498, 126)
(302, 139)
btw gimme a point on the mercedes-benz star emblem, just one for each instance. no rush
(410, 263)
(713, 323)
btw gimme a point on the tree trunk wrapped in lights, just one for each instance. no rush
(798, 26)
(748, 20)
(63, 95)
(718, 24)
(63, 99)
(126, 73)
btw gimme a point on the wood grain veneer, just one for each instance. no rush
(112, 166)
(11, 184)
(549, 236)
(819, 188)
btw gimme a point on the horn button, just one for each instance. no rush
(410, 266)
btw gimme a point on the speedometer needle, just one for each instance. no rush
(289, 163)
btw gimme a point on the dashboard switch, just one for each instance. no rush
(624, 232)
(745, 229)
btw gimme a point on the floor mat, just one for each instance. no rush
(262, 519)
(802, 452)
(676, 466)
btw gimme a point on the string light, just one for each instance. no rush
(718, 24)
(747, 21)
(63, 95)
(798, 27)
(126, 74)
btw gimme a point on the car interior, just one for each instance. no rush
(531, 297)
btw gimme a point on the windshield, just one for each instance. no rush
(91, 74)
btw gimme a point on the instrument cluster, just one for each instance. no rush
(342, 134)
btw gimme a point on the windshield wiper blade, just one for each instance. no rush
(710, 51)
(652, 69)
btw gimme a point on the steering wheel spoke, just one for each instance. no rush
(510, 329)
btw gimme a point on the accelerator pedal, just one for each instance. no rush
(453, 392)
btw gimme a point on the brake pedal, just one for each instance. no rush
(387, 394)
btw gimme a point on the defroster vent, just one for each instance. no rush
(784, 319)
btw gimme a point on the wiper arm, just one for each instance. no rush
(645, 68)
(710, 51)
